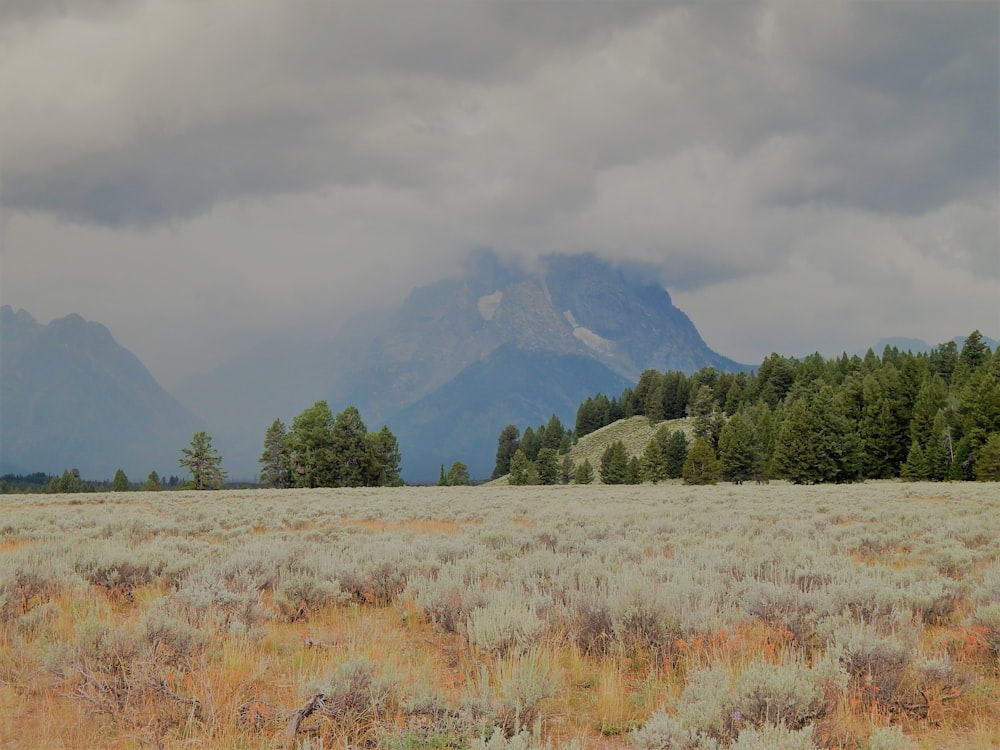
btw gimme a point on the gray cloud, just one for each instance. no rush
(735, 148)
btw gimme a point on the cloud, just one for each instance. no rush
(311, 158)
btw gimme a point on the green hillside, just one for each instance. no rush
(634, 432)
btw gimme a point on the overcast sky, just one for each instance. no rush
(196, 174)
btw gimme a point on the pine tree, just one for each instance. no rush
(653, 464)
(739, 455)
(458, 475)
(547, 466)
(310, 446)
(349, 448)
(508, 442)
(204, 463)
(987, 466)
(554, 434)
(566, 470)
(152, 483)
(675, 453)
(519, 465)
(584, 473)
(530, 443)
(120, 482)
(614, 463)
(275, 461)
(384, 459)
(633, 471)
(701, 465)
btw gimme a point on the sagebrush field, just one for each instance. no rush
(752, 616)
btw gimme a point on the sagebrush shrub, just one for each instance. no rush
(774, 737)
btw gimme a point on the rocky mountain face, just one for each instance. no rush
(458, 360)
(72, 397)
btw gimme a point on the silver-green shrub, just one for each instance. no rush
(774, 737)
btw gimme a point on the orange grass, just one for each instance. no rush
(599, 700)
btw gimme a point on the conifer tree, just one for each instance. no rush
(152, 483)
(566, 470)
(633, 471)
(614, 463)
(987, 467)
(701, 465)
(519, 465)
(275, 461)
(120, 482)
(675, 453)
(349, 449)
(584, 473)
(310, 447)
(383, 459)
(458, 475)
(739, 456)
(508, 442)
(547, 466)
(204, 463)
(653, 463)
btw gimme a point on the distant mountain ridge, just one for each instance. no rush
(430, 369)
(72, 397)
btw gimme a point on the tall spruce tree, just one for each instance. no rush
(120, 482)
(275, 461)
(547, 466)
(583, 473)
(349, 444)
(508, 442)
(203, 462)
(739, 454)
(675, 453)
(310, 445)
(614, 463)
(383, 459)
(519, 468)
(701, 465)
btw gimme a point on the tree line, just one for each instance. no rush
(318, 450)
(924, 416)
(323, 450)
(71, 481)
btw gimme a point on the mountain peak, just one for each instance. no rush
(74, 397)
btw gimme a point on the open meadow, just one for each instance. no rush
(650, 617)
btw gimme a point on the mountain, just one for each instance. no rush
(72, 397)
(459, 359)
(462, 419)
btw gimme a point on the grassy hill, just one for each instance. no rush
(635, 432)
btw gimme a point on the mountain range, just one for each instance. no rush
(497, 344)
(72, 397)
(459, 359)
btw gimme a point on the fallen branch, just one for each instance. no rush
(298, 715)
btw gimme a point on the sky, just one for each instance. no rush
(201, 174)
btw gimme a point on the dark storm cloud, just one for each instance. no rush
(875, 97)
(754, 156)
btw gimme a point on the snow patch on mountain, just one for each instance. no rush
(588, 337)
(488, 304)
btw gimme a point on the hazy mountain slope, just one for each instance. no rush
(566, 305)
(461, 420)
(71, 396)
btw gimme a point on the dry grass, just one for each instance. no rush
(236, 688)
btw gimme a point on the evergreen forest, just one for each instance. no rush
(926, 416)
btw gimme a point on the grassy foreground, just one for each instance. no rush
(858, 616)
